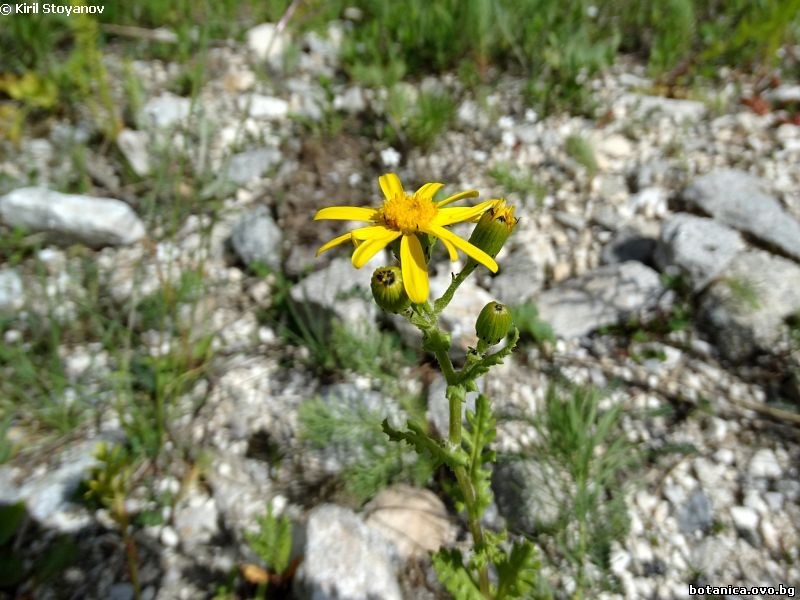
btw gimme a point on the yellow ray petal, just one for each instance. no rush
(463, 245)
(346, 213)
(450, 250)
(370, 248)
(372, 232)
(391, 186)
(334, 242)
(459, 196)
(448, 216)
(429, 190)
(415, 270)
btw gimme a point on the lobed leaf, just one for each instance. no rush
(426, 445)
(454, 575)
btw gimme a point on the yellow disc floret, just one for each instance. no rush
(407, 213)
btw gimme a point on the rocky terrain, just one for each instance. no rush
(666, 259)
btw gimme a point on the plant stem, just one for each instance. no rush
(474, 523)
(455, 398)
(442, 302)
(130, 546)
(446, 365)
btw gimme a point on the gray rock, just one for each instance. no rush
(351, 101)
(739, 199)
(345, 559)
(340, 290)
(49, 492)
(520, 278)
(241, 488)
(12, 295)
(196, 518)
(308, 98)
(701, 248)
(69, 218)
(745, 309)
(134, 147)
(712, 555)
(696, 514)
(121, 591)
(656, 173)
(529, 495)
(166, 110)
(246, 166)
(605, 296)
(629, 243)
(256, 238)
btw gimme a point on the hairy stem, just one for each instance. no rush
(442, 302)
(455, 397)
(474, 523)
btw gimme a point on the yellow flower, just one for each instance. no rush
(407, 216)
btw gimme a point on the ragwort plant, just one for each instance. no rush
(411, 224)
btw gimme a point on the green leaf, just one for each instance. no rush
(481, 431)
(57, 558)
(12, 570)
(454, 575)
(424, 444)
(11, 517)
(273, 542)
(518, 574)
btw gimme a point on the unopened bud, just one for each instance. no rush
(493, 228)
(493, 323)
(388, 289)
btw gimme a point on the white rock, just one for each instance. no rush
(615, 146)
(770, 535)
(168, 537)
(390, 157)
(134, 146)
(764, 464)
(259, 106)
(265, 42)
(166, 110)
(72, 218)
(745, 519)
(12, 295)
(344, 559)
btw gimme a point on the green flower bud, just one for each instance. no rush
(388, 289)
(493, 323)
(493, 228)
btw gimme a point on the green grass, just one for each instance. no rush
(356, 431)
(586, 445)
(581, 151)
(417, 121)
(515, 181)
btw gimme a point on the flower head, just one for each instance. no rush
(404, 216)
